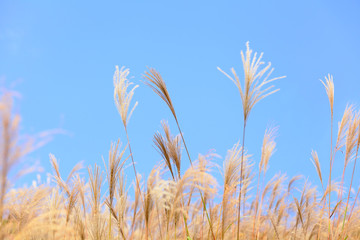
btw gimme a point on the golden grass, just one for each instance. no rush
(255, 79)
(177, 203)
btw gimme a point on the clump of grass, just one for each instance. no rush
(178, 203)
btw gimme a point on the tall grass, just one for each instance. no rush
(177, 203)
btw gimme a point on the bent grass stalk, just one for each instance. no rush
(157, 84)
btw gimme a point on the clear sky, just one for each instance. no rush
(61, 56)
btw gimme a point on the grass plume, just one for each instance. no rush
(256, 77)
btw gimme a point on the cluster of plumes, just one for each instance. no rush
(177, 203)
(80, 209)
(170, 149)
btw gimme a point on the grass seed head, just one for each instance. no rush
(154, 80)
(329, 87)
(256, 76)
(122, 95)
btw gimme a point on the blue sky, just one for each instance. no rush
(61, 57)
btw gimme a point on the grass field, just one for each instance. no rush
(172, 203)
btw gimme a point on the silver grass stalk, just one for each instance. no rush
(255, 78)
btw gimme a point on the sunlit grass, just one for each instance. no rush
(176, 203)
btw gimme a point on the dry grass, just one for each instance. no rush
(255, 79)
(177, 203)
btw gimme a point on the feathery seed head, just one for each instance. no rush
(343, 126)
(268, 148)
(122, 96)
(316, 162)
(329, 87)
(255, 78)
(115, 165)
(351, 136)
(95, 182)
(232, 166)
(157, 84)
(170, 149)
